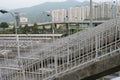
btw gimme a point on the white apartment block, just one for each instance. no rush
(77, 13)
(58, 15)
(102, 11)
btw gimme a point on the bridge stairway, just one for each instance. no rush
(66, 54)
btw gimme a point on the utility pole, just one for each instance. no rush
(53, 26)
(114, 6)
(91, 14)
(117, 8)
(16, 22)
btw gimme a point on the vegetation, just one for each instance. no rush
(25, 30)
(35, 29)
(4, 25)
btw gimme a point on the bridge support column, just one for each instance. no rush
(67, 28)
(43, 31)
(77, 27)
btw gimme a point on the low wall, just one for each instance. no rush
(95, 70)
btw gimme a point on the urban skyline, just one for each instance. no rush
(100, 11)
(13, 4)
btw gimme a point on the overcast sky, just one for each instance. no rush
(118, 78)
(12, 4)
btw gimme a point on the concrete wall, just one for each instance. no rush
(95, 70)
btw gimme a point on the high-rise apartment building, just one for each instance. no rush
(102, 11)
(77, 13)
(58, 15)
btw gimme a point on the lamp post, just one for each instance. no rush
(96, 16)
(91, 14)
(16, 23)
(53, 31)
(67, 22)
(114, 9)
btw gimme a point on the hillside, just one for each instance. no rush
(38, 13)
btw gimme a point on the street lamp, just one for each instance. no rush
(16, 22)
(91, 14)
(114, 9)
(96, 16)
(15, 16)
(3, 11)
(53, 32)
(66, 21)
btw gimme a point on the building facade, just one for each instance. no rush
(78, 13)
(58, 15)
(101, 11)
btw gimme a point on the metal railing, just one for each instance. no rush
(44, 62)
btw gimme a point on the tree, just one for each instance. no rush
(4, 25)
(13, 29)
(43, 30)
(35, 29)
(25, 29)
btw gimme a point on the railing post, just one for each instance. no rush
(96, 47)
(68, 51)
(42, 74)
(55, 57)
(0, 74)
(116, 33)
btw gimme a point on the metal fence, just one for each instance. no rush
(40, 61)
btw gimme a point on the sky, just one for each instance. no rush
(13, 4)
(118, 78)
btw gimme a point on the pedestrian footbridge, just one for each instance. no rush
(86, 55)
